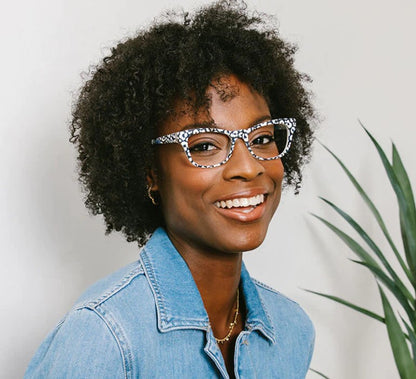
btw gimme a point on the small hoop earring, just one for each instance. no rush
(149, 194)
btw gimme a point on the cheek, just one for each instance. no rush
(276, 172)
(183, 189)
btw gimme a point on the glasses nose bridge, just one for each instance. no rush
(244, 137)
(239, 134)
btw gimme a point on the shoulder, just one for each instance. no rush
(285, 312)
(113, 286)
(92, 333)
(81, 340)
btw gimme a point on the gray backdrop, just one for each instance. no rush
(361, 55)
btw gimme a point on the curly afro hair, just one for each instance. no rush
(134, 89)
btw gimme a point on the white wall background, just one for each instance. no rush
(361, 55)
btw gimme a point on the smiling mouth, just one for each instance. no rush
(242, 202)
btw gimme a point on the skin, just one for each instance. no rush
(212, 241)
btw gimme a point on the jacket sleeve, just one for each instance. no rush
(81, 346)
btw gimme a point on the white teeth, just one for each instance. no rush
(241, 202)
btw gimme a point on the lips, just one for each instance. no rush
(243, 207)
(241, 202)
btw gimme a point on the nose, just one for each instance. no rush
(242, 165)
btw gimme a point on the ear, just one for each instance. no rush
(152, 179)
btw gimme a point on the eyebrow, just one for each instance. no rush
(212, 124)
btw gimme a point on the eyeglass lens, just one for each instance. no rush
(213, 148)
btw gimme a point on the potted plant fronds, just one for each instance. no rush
(401, 283)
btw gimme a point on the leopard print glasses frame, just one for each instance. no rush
(207, 149)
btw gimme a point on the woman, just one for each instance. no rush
(183, 135)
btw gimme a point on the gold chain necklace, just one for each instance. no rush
(232, 324)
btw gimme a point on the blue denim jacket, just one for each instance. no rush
(148, 320)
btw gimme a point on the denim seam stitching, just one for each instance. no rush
(110, 323)
(154, 288)
(266, 287)
(209, 349)
(248, 352)
(125, 281)
(271, 328)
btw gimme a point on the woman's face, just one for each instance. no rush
(190, 195)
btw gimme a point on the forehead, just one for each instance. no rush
(232, 105)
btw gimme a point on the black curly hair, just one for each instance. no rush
(134, 89)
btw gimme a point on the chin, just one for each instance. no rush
(246, 241)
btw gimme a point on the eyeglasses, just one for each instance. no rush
(212, 147)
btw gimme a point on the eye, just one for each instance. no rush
(204, 146)
(263, 139)
(207, 143)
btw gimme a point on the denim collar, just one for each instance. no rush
(178, 302)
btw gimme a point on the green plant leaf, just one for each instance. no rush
(406, 187)
(407, 221)
(373, 266)
(411, 276)
(381, 268)
(391, 285)
(350, 305)
(404, 362)
(374, 247)
(351, 243)
(319, 373)
(403, 179)
(370, 263)
(412, 338)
